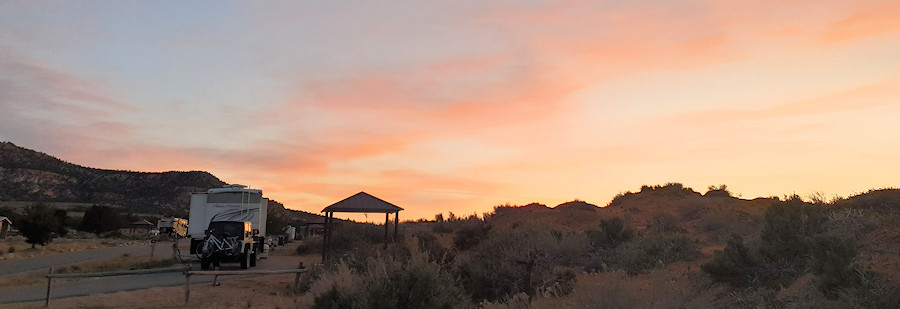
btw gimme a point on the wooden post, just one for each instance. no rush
(396, 224)
(325, 238)
(387, 220)
(49, 281)
(297, 276)
(187, 286)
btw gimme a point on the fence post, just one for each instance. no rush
(49, 281)
(187, 285)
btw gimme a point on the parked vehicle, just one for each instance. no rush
(176, 227)
(228, 224)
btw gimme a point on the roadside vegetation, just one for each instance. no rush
(665, 246)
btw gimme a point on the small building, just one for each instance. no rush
(5, 226)
(141, 224)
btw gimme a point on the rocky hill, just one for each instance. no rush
(28, 175)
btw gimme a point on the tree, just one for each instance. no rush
(62, 218)
(37, 224)
(99, 219)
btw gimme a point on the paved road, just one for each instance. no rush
(69, 258)
(68, 287)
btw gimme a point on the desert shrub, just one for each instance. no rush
(832, 259)
(735, 264)
(470, 234)
(720, 191)
(610, 233)
(563, 283)
(689, 212)
(307, 279)
(848, 222)
(309, 245)
(792, 242)
(651, 251)
(428, 243)
(665, 223)
(339, 288)
(570, 249)
(442, 227)
(509, 263)
(671, 189)
(788, 231)
(388, 283)
(351, 237)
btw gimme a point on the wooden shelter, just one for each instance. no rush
(359, 203)
(141, 224)
(5, 226)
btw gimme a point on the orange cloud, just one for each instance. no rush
(865, 97)
(871, 21)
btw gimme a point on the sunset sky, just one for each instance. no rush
(463, 105)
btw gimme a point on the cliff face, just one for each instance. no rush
(28, 175)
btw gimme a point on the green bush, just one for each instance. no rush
(610, 234)
(735, 264)
(652, 251)
(470, 234)
(788, 231)
(832, 260)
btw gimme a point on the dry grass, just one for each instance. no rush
(21, 249)
(123, 262)
(259, 292)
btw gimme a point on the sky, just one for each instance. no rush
(440, 106)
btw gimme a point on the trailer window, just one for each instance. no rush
(234, 197)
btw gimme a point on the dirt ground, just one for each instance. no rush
(268, 291)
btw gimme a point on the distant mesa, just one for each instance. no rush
(28, 175)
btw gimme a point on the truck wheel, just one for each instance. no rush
(204, 264)
(245, 261)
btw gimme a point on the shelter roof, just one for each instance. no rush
(5, 219)
(141, 222)
(362, 202)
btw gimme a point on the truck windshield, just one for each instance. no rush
(226, 228)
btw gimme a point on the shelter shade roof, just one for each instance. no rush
(141, 222)
(362, 202)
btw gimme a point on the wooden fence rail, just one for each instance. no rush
(188, 273)
(118, 273)
(184, 270)
(50, 275)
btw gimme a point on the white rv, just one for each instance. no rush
(228, 224)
